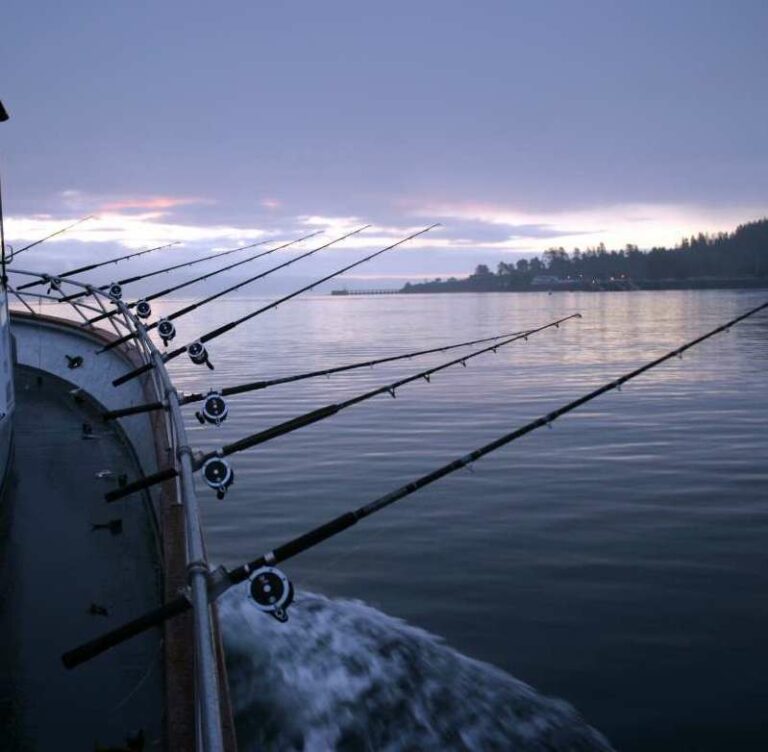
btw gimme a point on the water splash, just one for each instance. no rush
(341, 675)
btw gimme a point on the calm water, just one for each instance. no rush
(618, 561)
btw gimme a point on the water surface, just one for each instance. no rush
(618, 561)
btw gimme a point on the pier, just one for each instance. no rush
(366, 292)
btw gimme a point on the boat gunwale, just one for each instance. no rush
(169, 512)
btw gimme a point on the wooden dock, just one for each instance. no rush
(366, 292)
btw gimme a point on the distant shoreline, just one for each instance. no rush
(439, 288)
(727, 261)
(754, 283)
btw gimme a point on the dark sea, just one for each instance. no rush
(610, 573)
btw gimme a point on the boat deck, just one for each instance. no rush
(62, 582)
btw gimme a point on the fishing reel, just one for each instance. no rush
(166, 330)
(199, 355)
(215, 409)
(54, 283)
(115, 291)
(218, 475)
(272, 592)
(143, 309)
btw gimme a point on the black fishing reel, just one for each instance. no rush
(218, 474)
(54, 283)
(215, 409)
(166, 330)
(199, 355)
(143, 309)
(115, 291)
(272, 592)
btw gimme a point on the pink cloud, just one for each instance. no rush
(271, 203)
(150, 202)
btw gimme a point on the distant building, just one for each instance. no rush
(549, 280)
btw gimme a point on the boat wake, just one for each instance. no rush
(341, 675)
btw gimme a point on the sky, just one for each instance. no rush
(517, 125)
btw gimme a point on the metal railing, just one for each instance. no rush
(209, 737)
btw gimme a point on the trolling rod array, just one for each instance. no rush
(217, 472)
(197, 351)
(55, 280)
(144, 310)
(115, 288)
(253, 386)
(167, 330)
(271, 590)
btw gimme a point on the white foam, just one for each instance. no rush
(341, 675)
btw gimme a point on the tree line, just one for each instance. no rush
(738, 255)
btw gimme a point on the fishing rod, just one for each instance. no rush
(217, 472)
(55, 279)
(115, 288)
(256, 385)
(52, 235)
(144, 310)
(167, 330)
(271, 589)
(197, 352)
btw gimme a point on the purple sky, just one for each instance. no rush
(518, 125)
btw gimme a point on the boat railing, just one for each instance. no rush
(208, 710)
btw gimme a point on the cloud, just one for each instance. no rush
(149, 203)
(646, 225)
(271, 203)
(403, 277)
(472, 232)
(140, 229)
(130, 230)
